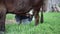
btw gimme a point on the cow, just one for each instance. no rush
(19, 7)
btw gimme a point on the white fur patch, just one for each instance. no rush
(31, 12)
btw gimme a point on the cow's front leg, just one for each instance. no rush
(2, 21)
(2, 18)
(36, 14)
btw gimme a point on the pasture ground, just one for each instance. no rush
(51, 25)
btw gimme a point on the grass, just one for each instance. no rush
(51, 25)
(10, 16)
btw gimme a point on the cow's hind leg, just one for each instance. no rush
(36, 14)
(2, 18)
(42, 19)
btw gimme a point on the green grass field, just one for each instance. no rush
(51, 25)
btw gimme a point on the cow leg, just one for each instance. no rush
(42, 19)
(36, 14)
(2, 22)
(2, 18)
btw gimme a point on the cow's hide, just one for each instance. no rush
(21, 6)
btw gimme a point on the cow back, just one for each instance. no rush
(18, 5)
